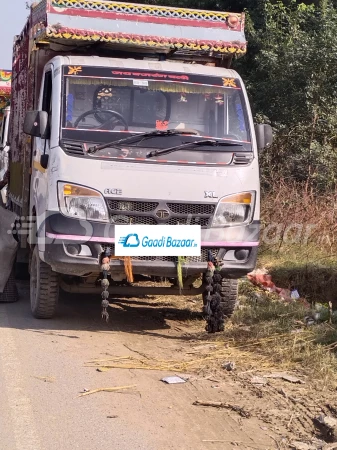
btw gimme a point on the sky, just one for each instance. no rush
(13, 19)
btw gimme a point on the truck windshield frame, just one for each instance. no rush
(102, 104)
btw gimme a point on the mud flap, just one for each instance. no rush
(8, 246)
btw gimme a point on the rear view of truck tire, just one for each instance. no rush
(140, 130)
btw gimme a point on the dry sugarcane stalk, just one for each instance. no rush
(113, 389)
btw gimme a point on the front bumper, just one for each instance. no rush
(62, 233)
(62, 262)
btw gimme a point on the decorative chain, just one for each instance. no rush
(213, 309)
(105, 283)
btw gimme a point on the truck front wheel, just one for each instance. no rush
(44, 288)
(229, 296)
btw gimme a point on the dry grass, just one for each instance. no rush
(265, 334)
(288, 204)
(300, 248)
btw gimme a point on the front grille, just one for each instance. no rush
(133, 220)
(189, 259)
(129, 211)
(132, 206)
(192, 208)
(204, 255)
(202, 221)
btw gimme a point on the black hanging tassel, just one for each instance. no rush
(217, 277)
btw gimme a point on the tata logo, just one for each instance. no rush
(113, 191)
(162, 214)
(210, 194)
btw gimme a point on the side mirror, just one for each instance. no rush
(264, 135)
(36, 124)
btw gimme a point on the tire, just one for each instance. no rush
(44, 288)
(229, 296)
(10, 293)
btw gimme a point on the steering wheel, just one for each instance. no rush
(117, 118)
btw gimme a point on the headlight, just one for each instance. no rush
(82, 203)
(234, 209)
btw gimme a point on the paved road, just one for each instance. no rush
(42, 372)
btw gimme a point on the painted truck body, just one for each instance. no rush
(126, 84)
(5, 95)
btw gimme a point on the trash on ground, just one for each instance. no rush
(111, 417)
(239, 409)
(259, 380)
(113, 389)
(327, 426)
(286, 377)
(229, 366)
(294, 294)
(173, 380)
(310, 321)
(263, 279)
(329, 421)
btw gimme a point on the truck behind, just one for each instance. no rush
(5, 96)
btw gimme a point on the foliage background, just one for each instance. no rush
(290, 74)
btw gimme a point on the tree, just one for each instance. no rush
(291, 77)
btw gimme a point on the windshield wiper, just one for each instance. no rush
(210, 142)
(139, 137)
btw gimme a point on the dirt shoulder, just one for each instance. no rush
(146, 340)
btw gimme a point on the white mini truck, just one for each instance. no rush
(129, 114)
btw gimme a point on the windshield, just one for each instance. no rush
(103, 104)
